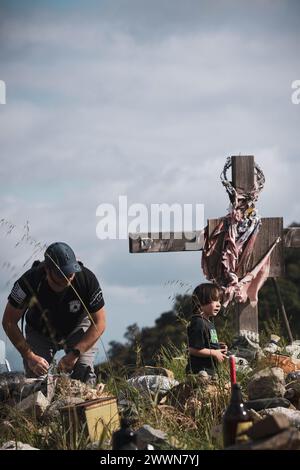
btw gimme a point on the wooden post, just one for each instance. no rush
(245, 316)
(243, 172)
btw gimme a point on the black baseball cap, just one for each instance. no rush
(60, 257)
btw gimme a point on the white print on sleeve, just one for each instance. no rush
(17, 294)
(96, 297)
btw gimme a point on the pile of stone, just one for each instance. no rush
(42, 399)
(272, 388)
(274, 402)
(273, 432)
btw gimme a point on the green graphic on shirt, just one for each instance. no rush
(213, 336)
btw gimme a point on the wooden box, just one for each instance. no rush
(93, 419)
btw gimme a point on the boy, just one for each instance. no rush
(205, 351)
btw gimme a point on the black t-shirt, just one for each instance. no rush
(201, 334)
(56, 314)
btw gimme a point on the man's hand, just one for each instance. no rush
(37, 364)
(218, 354)
(67, 363)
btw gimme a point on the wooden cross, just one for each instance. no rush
(243, 174)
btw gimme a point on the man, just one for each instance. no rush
(64, 309)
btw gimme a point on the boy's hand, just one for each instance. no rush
(223, 347)
(218, 354)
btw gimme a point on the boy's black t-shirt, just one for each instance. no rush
(56, 314)
(201, 334)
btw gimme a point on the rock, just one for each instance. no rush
(285, 440)
(268, 426)
(242, 365)
(263, 403)
(152, 384)
(275, 339)
(14, 385)
(294, 349)
(13, 445)
(203, 375)
(148, 435)
(291, 396)
(31, 386)
(149, 370)
(11, 385)
(273, 346)
(267, 383)
(292, 415)
(21, 387)
(293, 393)
(245, 346)
(35, 404)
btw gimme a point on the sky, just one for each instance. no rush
(142, 99)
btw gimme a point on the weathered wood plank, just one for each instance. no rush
(243, 172)
(270, 230)
(138, 243)
(246, 320)
(166, 242)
